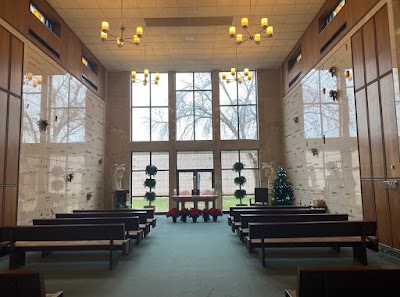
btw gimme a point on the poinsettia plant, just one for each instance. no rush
(184, 212)
(215, 212)
(173, 212)
(195, 212)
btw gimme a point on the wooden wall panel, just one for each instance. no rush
(4, 57)
(382, 213)
(371, 68)
(17, 57)
(383, 41)
(358, 59)
(359, 8)
(3, 130)
(1, 205)
(10, 206)
(13, 140)
(375, 131)
(368, 198)
(363, 134)
(390, 127)
(394, 202)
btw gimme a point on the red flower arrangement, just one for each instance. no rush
(215, 212)
(184, 212)
(195, 212)
(173, 212)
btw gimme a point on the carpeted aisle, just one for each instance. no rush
(184, 260)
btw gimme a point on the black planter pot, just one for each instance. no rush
(174, 219)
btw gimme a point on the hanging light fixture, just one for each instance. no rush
(146, 73)
(121, 39)
(234, 72)
(256, 37)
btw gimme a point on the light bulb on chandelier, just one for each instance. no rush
(135, 39)
(36, 80)
(239, 78)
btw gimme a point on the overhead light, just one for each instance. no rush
(256, 37)
(120, 39)
(146, 79)
(234, 72)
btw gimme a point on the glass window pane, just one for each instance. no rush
(248, 122)
(229, 122)
(247, 91)
(228, 186)
(228, 158)
(59, 90)
(159, 92)
(138, 178)
(162, 186)
(77, 94)
(227, 92)
(184, 116)
(76, 129)
(140, 93)
(140, 161)
(140, 124)
(203, 115)
(202, 81)
(159, 124)
(160, 160)
(184, 81)
(331, 119)
(249, 159)
(251, 176)
(195, 160)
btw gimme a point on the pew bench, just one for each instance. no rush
(356, 234)
(232, 208)
(46, 239)
(346, 281)
(237, 212)
(17, 283)
(143, 224)
(150, 212)
(131, 224)
(245, 219)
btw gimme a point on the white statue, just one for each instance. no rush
(118, 174)
(270, 172)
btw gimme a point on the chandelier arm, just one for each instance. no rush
(247, 32)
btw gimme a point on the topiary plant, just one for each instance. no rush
(150, 183)
(240, 181)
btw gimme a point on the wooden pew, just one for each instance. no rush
(143, 224)
(356, 234)
(17, 283)
(245, 219)
(131, 224)
(232, 208)
(347, 281)
(109, 237)
(237, 212)
(150, 212)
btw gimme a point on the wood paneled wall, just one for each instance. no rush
(65, 42)
(377, 126)
(316, 37)
(11, 61)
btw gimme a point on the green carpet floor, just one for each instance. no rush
(185, 260)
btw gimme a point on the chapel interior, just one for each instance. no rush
(93, 91)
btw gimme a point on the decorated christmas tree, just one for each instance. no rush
(283, 190)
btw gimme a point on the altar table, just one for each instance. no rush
(195, 199)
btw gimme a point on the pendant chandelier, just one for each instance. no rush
(269, 30)
(146, 73)
(121, 38)
(236, 76)
(36, 80)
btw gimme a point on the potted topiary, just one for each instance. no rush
(150, 183)
(240, 181)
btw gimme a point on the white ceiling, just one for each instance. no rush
(167, 48)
